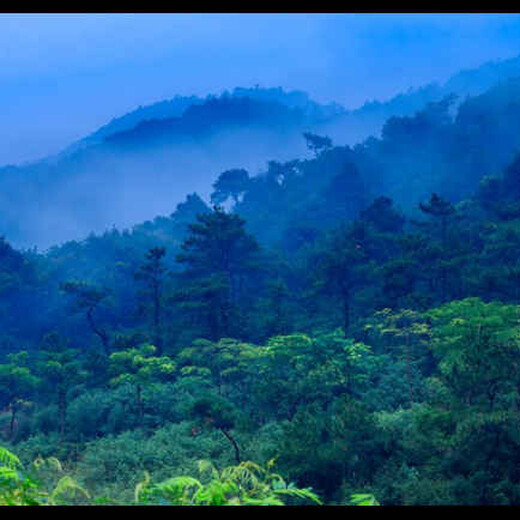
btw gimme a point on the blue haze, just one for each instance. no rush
(64, 76)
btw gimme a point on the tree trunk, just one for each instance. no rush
(140, 405)
(62, 408)
(13, 421)
(99, 332)
(408, 361)
(157, 317)
(234, 443)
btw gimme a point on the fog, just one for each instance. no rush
(63, 77)
(101, 188)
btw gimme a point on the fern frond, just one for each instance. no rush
(205, 466)
(177, 483)
(363, 500)
(299, 493)
(216, 493)
(265, 501)
(8, 474)
(9, 459)
(51, 461)
(177, 490)
(243, 474)
(141, 486)
(66, 484)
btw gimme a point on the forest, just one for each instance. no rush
(338, 329)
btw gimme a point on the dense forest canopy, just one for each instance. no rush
(341, 325)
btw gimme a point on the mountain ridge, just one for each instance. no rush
(120, 178)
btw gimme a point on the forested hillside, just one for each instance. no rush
(92, 185)
(168, 149)
(340, 327)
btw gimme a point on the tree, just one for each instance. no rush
(382, 215)
(60, 370)
(345, 195)
(140, 368)
(217, 412)
(297, 369)
(230, 183)
(219, 257)
(511, 180)
(317, 143)
(325, 445)
(478, 345)
(17, 384)
(440, 209)
(152, 272)
(186, 212)
(340, 268)
(478, 350)
(275, 311)
(404, 334)
(227, 362)
(88, 298)
(442, 213)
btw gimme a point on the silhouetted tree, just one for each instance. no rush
(230, 183)
(152, 272)
(218, 255)
(317, 143)
(88, 298)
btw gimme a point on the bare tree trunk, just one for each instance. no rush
(234, 443)
(13, 421)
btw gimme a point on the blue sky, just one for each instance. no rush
(63, 76)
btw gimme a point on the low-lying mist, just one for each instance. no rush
(105, 188)
(144, 163)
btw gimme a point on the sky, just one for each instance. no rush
(63, 76)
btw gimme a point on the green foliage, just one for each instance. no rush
(479, 347)
(218, 255)
(139, 366)
(17, 386)
(370, 345)
(244, 484)
(363, 500)
(17, 488)
(323, 447)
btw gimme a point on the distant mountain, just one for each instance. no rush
(353, 126)
(162, 110)
(143, 163)
(175, 108)
(202, 121)
(475, 81)
(348, 125)
(125, 174)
